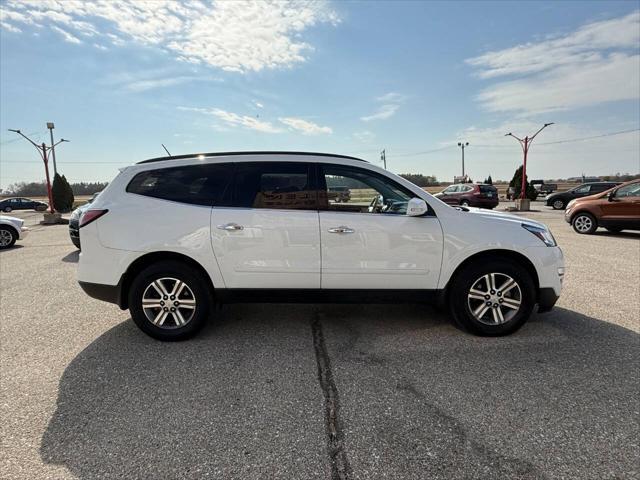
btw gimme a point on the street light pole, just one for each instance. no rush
(383, 157)
(51, 126)
(462, 145)
(525, 143)
(42, 150)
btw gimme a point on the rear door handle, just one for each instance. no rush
(231, 227)
(341, 229)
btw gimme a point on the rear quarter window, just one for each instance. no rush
(195, 184)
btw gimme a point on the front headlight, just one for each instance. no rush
(542, 233)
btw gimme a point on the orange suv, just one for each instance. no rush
(616, 209)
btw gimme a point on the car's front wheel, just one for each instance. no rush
(558, 204)
(492, 298)
(170, 301)
(465, 203)
(584, 223)
(6, 209)
(8, 237)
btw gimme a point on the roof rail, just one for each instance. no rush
(226, 154)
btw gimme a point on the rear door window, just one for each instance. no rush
(275, 185)
(206, 184)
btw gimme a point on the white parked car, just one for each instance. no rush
(11, 230)
(171, 236)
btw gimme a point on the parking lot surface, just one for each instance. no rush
(320, 391)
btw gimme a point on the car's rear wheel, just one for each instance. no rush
(492, 298)
(584, 223)
(8, 237)
(170, 301)
(6, 209)
(558, 204)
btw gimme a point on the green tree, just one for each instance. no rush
(516, 183)
(489, 180)
(61, 193)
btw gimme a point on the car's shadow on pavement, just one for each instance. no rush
(72, 257)
(419, 398)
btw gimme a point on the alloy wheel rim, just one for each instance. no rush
(168, 303)
(558, 204)
(583, 224)
(494, 299)
(5, 238)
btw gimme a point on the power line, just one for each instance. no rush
(589, 138)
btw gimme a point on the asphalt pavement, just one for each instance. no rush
(320, 391)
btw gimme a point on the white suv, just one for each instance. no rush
(170, 237)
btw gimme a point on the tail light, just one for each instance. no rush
(89, 216)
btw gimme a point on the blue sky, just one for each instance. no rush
(119, 78)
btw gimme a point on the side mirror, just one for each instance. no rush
(417, 207)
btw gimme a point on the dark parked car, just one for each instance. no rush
(560, 200)
(470, 195)
(21, 203)
(74, 221)
(616, 210)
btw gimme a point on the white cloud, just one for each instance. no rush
(304, 126)
(383, 112)
(391, 97)
(238, 36)
(390, 104)
(597, 63)
(66, 35)
(258, 104)
(364, 136)
(235, 120)
(614, 78)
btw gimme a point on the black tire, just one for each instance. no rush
(41, 208)
(6, 209)
(460, 304)
(614, 229)
(559, 204)
(8, 237)
(465, 203)
(584, 223)
(198, 290)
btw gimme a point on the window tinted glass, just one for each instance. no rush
(583, 189)
(277, 185)
(488, 189)
(632, 190)
(196, 184)
(367, 192)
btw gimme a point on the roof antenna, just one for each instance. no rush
(165, 149)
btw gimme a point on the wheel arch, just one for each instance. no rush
(494, 254)
(148, 259)
(11, 228)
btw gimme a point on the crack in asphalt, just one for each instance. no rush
(340, 469)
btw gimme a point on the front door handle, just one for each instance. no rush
(231, 227)
(341, 229)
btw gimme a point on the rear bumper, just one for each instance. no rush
(106, 293)
(485, 202)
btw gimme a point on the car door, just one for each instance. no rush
(450, 195)
(369, 242)
(623, 208)
(269, 235)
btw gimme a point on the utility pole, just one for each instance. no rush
(383, 158)
(462, 145)
(51, 126)
(525, 143)
(42, 150)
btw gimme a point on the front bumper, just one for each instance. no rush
(547, 298)
(24, 231)
(106, 293)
